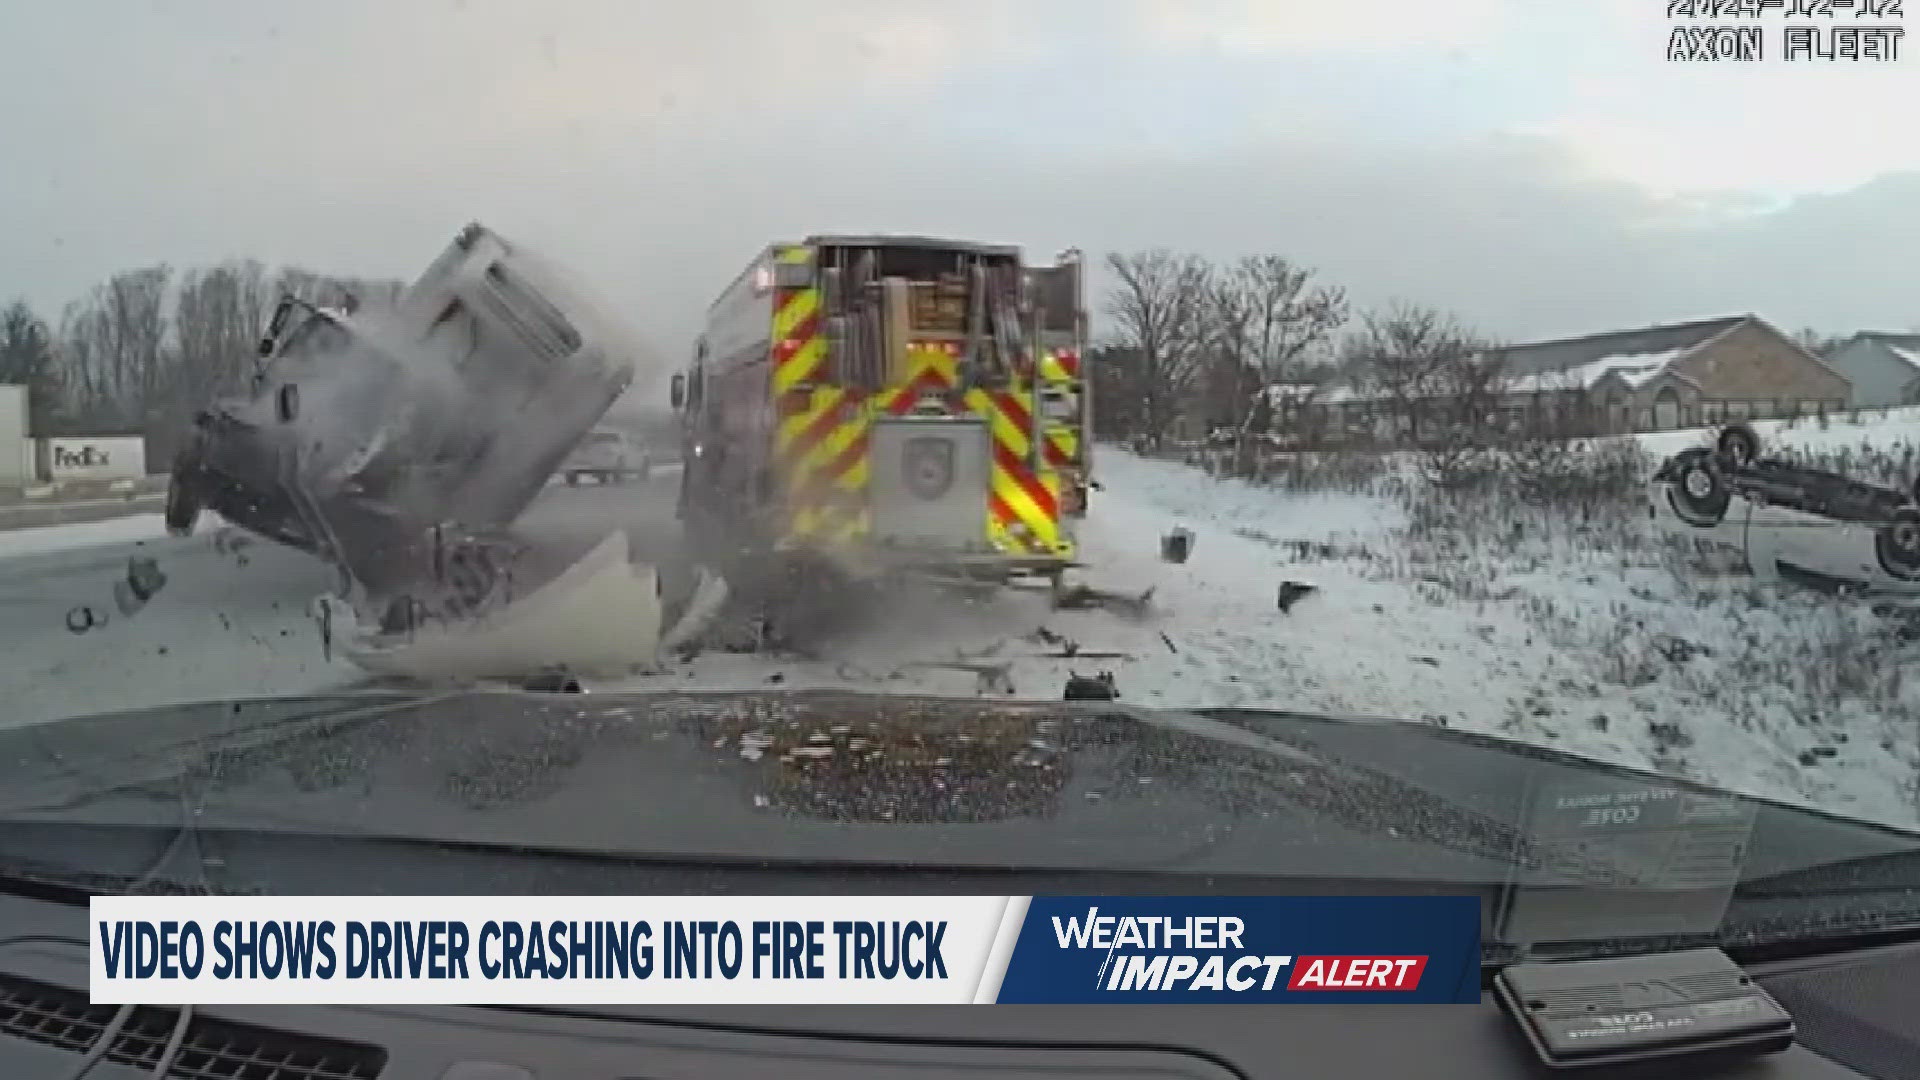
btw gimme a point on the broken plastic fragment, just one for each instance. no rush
(143, 580)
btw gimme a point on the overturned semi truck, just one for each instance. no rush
(399, 442)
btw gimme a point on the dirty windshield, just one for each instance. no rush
(1217, 438)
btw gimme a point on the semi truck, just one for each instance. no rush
(398, 441)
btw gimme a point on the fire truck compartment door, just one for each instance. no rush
(929, 479)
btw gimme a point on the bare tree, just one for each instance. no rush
(217, 319)
(1818, 343)
(116, 348)
(1436, 384)
(1118, 388)
(27, 358)
(1267, 319)
(1159, 308)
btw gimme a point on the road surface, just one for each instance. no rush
(233, 623)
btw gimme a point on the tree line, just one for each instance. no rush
(141, 351)
(1231, 351)
(1224, 349)
(1190, 344)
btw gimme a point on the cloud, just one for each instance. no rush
(1775, 126)
(1540, 168)
(1316, 26)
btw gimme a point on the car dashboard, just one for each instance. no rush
(1858, 1015)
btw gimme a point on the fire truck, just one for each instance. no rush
(893, 404)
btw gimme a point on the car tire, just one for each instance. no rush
(1897, 544)
(1699, 494)
(573, 479)
(182, 509)
(1738, 446)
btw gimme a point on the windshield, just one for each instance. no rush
(1443, 414)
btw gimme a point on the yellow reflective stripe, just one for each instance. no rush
(791, 313)
(803, 365)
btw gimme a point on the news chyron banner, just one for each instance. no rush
(735, 950)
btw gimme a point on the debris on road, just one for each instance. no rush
(1176, 546)
(144, 579)
(1081, 597)
(1091, 687)
(83, 618)
(1290, 594)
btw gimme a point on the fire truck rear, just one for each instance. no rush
(893, 404)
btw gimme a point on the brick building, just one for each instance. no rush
(1649, 379)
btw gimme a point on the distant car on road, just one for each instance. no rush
(608, 456)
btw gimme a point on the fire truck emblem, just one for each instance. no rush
(928, 465)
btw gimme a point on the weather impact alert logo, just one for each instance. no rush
(1209, 953)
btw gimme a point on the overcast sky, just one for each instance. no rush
(1535, 166)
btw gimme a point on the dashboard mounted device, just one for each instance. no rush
(1578, 1013)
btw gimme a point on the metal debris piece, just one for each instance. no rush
(1091, 687)
(83, 618)
(323, 614)
(1290, 594)
(1176, 546)
(1085, 596)
(1168, 642)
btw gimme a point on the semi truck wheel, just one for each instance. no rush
(182, 510)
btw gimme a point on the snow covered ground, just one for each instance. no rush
(1613, 643)
(1609, 642)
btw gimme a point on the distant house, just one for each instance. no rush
(1682, 374)
(1654, 378)
(1882, 366)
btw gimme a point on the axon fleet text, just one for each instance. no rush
(506, 949)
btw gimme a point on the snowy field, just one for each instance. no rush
(1600, 639)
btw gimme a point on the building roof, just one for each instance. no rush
(1567, 354)
(1628, 358)
(1902, 344)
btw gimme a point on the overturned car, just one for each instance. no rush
(1784, 515)
(399, 443)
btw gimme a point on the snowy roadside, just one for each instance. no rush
(125, 529)
(1606, 642)
(1618, 647)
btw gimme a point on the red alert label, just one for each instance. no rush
(1356, 972)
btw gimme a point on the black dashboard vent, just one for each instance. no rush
(213, 1050)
